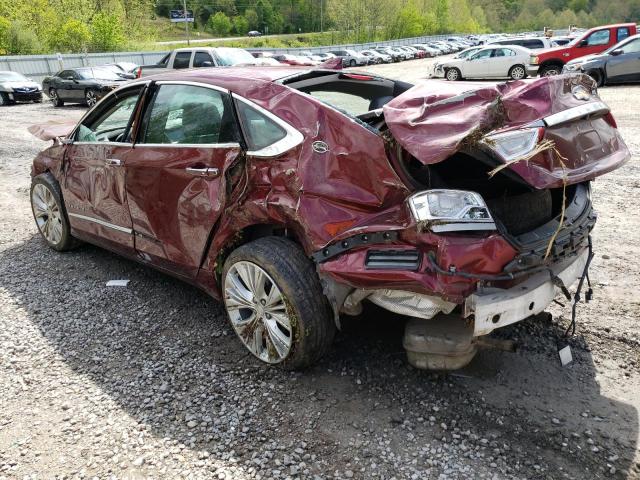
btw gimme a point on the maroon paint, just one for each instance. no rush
(323, 197)
(432, 120)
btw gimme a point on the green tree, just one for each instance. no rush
(220, 24)
(22, 40)
(240, 24)
(106, 33)
(252, 18)
(5, 27)
(72, 36)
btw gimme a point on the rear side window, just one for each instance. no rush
(187, 114)
(202, 57)
(601, 37)
(623, 32)
(632, 47)
(260, 131)
(182, 60)
(165, 60)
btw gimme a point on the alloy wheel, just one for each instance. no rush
(517, 73)
(91, 98)
(47, 213)
(452, 74)
(550, 72)
(53, 95)
(258, 312)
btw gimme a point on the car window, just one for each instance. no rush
(632, 47)
(533, 44)
(182, 60)
(111, 122)
(623, 32)
(260, 131)
(187, 114)
(482, 54)
(66, 75)
(201, 57)
(352, 104)
(601, 37)
(165, 60)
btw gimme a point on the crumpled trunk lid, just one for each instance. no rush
(436, 119)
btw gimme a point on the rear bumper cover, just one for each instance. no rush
(494, 308)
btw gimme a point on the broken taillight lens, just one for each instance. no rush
(514, 144)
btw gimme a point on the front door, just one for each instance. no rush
(175, 174)
(94, 176)
(625, 67)
(477, 65)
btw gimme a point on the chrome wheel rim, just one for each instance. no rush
(551, 72)
(258, 312)
(452, 74)
(53, 95)
(47, 213)
(517, 73)
(91, 98)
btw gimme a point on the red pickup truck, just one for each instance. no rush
(598, 39)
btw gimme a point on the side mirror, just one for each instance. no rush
(207, 64)
(583, 43)
(616, 52)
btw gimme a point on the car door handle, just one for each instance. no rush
(203, 172)
(114, 162)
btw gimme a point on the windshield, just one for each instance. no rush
(234, 56)
(98, 74)
(12, 77)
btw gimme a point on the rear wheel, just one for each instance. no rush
(517, 72)
(597, 77)
(352, 63)
(275, 303)
(453, 74)
(550, 70)
(4, 99)
(49, 213)
(53, 95)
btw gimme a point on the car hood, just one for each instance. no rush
(584, 59)
(19, 84)
(52, 130)
(435, 119)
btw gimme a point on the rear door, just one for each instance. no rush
(501, 61)
(175, 177)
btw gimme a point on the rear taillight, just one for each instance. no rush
(139, 72)
(610, 120)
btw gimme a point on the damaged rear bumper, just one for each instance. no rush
(493, 308)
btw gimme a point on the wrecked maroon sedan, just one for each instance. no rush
(294, 195)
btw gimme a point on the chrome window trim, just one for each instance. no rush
(189, 145)
(101, 222)
(576, 113)
(192, 84)
(292, 139)
(117, 144)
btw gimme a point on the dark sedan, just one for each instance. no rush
(81, 85)
(15, 87)
(618, 64)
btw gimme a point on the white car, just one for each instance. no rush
(438, 67)
(490, 62)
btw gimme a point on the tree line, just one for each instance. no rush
(43, 26)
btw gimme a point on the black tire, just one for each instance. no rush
(308, 310)
(53, 95)
(352, 63)
(90, 98)
(67, 241)
(453, 74)
(550, 70)
(597, 76)
(517, 72)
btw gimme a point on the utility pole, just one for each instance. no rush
(321, 17)
(186, 21)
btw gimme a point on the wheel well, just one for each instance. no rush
(552, 63)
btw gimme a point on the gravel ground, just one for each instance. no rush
(148, 381)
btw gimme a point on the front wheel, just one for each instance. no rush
(275, 303)
(517, 72)
(49, 213)
(352, 63)
(55, 99)
(4, 99)
(597, 77)
(90, 98)
(550, 70)
(453, 74)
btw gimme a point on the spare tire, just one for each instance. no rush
(523, 213)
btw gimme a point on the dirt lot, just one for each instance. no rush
(149, 380)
